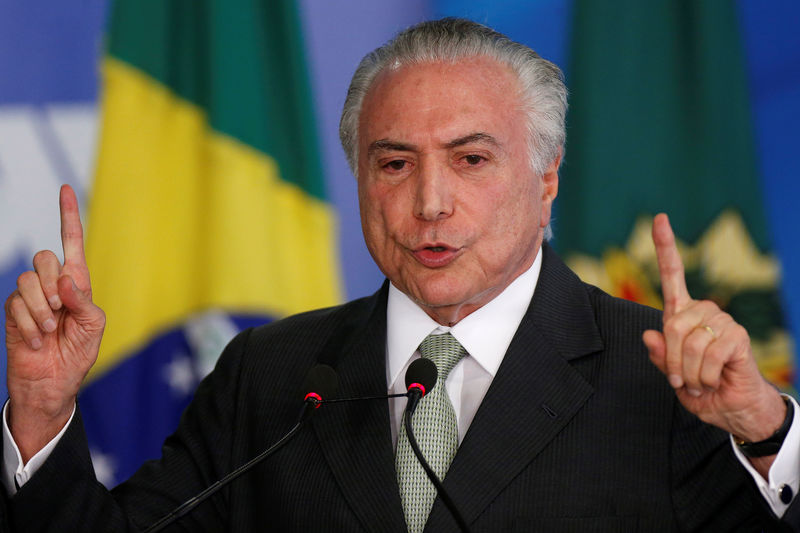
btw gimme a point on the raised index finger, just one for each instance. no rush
(670, 267)
(72, 235)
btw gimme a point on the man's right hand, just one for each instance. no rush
(53, 333)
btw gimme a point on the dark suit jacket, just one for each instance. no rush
(578, 432)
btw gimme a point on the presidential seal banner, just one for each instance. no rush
(208, 210)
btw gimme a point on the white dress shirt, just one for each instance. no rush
(486, 335)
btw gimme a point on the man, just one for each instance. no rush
(560, 420)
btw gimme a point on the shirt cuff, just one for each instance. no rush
(15, 474)
(782, 485)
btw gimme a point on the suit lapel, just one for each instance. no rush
(355, 436)
(534, 395)
(532, 398)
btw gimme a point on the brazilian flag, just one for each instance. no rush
(660, 121)
(208, 212)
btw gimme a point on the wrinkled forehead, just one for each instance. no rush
(466, 70)
(421, 85)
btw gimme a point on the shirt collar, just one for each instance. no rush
(485, 333)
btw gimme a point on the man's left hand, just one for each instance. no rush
(706, 355)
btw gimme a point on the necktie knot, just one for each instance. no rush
(445, 352)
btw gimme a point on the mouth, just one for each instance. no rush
(435, 255)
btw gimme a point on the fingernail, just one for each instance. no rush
(55, 302)
(49, 325)
(694, 392)
(676, 381)
(36, 343)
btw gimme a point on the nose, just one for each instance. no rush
(434, 199)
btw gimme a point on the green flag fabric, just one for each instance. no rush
(208, 212)
(660, 122)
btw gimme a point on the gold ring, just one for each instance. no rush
(708, 329)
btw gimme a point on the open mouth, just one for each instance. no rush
(436, 256)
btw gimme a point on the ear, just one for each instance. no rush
(549, 189)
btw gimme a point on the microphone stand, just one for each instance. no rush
(410, 408)
(310, 405)
(323, 375)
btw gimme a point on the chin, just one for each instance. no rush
(441, 295)
(440, 288)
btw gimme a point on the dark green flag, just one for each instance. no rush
(660, 121)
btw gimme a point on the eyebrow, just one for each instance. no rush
(389, 145)
(478, 137)
(386, 144)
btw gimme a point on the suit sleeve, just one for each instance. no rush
(711, 490)
(64, 494)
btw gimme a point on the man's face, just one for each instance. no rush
(451, 210)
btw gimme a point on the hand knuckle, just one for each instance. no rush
(41, 312)
(692, 379)
(708, 306)
(25, 279)
(740, 331)
(671, 300)
(17, 306)
(694, 345)
(710, 378)
(42, 256)
(9, 301)
(679, 326)
(72, 233)
(715, 353)
(672, 328)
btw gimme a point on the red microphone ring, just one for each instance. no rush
(419, 386)
(314, 396)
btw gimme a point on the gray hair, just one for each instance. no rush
(451, 39)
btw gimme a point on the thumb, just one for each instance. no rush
(657, 348)
(77, 302)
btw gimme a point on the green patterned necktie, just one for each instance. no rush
(436, 429)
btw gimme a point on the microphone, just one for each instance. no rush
(421, 377)
(320, 383)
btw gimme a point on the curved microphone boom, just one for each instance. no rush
(420, 379)
(321, 382)
(423, 374)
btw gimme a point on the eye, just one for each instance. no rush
(397, 164)
(473, 159)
